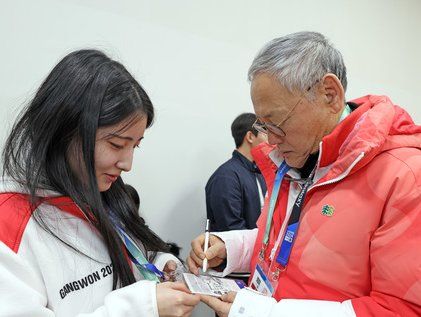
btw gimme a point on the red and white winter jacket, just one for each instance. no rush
(363, 258)
(42, 276)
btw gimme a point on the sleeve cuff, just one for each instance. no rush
(162, 259)
(249, 303)
(239, 245)
(314, 308)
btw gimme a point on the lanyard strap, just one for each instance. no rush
(345, 113)
(261, 196)
(148, 270)
(293, 223)
(282, 170)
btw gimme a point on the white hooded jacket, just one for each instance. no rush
(42, 276)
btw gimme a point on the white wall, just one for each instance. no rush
(192, 58)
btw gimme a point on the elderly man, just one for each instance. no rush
(340, 232)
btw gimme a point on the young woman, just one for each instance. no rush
(72, 242)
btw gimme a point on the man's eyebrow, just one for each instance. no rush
(272, 113)
(266, 115)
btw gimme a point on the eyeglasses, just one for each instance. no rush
(274, 128)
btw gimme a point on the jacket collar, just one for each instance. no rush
(332, 143)
(251, 166)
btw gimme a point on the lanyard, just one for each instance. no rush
(347, 110)
(293, 223)
(148, 270)
(282, 170)
(261, 196)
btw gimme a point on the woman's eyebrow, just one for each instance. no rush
(112, 135)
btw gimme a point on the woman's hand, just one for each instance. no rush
(175, 300)
(222, 305)
(169, 271)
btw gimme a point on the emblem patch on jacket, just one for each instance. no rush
(328, 210)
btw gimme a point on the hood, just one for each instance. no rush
(9, 188)
(376, 126)
(9, 185)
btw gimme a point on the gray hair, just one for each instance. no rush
(299, 60)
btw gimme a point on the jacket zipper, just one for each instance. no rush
(342, 176)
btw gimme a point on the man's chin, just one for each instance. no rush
(292, 159)
(294, 162)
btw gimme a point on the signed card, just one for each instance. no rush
(211, 285)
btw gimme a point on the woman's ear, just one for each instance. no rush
(75, 158)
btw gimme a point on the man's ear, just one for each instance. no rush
(249, 137)
(332, 92)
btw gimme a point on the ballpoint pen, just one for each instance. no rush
(205, 247)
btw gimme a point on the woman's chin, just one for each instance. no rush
(103, 187)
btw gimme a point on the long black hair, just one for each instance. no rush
(84, 91)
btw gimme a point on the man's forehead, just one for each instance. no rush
(269, 96)
(266, 108)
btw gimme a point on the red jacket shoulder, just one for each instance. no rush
(15, 212)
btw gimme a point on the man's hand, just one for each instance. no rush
(222, 305)
(215, 254)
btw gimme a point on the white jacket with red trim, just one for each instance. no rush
(41, 276)
(362, 257)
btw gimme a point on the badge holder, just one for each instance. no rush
(266, 276)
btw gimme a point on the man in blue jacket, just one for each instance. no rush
(235, 191)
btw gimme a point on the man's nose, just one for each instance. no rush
(274, 139)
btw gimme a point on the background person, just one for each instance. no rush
(236, 190)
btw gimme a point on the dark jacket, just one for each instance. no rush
(232, 195)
